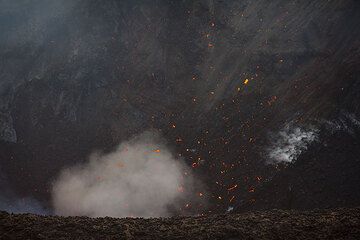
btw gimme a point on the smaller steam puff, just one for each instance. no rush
(289, 143)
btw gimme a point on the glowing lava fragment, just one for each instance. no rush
(157, 150)
(246, 81)
(233, 187)
(120, 165)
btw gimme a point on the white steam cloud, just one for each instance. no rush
(289, 143)
(346, 122)
(140, 178)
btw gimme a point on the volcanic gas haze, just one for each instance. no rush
(140, 178)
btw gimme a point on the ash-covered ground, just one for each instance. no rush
(250, 105)
(275, 224)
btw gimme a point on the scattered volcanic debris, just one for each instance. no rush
(215, 78)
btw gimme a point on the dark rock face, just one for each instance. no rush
(84, 75)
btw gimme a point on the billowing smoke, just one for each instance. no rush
(289, 143)
(140, 178)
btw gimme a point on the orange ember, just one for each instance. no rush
(119, 165)
(233, 187)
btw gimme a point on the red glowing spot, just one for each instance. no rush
(194, 165)
(120, 165)
(272, 100)
(157, 150)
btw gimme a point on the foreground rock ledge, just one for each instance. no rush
(274, 224)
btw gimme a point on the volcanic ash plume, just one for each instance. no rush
(140, 178)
